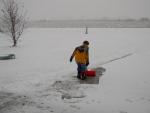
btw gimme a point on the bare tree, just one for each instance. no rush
(13, 19)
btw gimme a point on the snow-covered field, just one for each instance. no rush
(41, 78)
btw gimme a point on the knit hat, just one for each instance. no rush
(86, 42)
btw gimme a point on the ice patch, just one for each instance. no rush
(68, 89)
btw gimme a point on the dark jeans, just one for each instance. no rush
(81, 68)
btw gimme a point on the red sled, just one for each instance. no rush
(90, 73)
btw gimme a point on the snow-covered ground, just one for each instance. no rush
(41, 78)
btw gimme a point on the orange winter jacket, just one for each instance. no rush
(81, 55)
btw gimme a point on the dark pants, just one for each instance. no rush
(81, 68)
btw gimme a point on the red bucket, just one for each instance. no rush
(90, 73)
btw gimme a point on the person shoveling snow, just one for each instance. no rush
(81, 54)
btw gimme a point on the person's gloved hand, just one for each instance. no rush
(71, 59)
(87, 63)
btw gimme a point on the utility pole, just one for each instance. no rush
(86, 30)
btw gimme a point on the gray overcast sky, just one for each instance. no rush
(87, 9)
